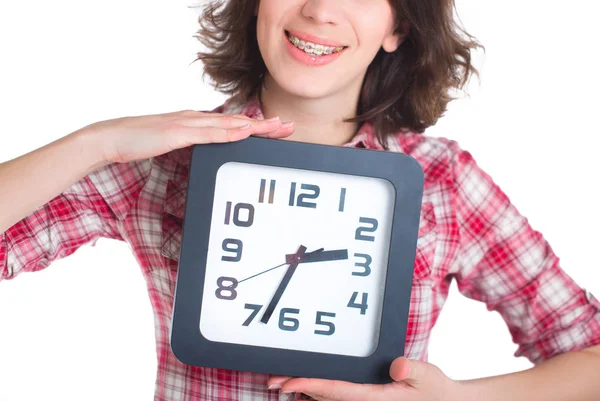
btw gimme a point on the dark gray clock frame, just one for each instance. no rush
(187, 342)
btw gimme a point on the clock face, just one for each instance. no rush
(327, 295)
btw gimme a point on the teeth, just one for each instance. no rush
(313, 48)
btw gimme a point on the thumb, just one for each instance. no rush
(403, 368)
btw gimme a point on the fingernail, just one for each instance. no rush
(274, 386)
(287, 391)
(287, 125)
(273, 119)
(245, 126)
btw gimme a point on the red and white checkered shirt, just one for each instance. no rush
(469, 231)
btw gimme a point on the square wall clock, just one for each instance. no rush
(297, 259)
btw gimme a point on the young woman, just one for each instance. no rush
(370, 74)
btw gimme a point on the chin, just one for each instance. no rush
(306, 88)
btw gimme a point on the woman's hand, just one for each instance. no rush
(132, 138)
(413, 380)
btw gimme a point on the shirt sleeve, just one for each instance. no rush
(93, 207)
(508, 265)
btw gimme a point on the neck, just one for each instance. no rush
(316, 120)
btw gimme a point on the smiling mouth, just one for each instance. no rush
(314, 49)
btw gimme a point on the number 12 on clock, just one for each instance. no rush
(300, 200)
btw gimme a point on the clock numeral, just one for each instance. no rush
(359, 231)
(283, 319)
(362, 305)
(330, 325)
(292, 193)
(255, 309)
(366, 264)
(229, 289)
(237, 249)
(261, 195)
(342, 199)
(299, 201)
(236, 214)
(288, 323)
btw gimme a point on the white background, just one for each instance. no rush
(83, 329)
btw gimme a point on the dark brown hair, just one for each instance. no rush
(406, 90)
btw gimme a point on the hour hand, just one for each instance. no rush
(324, 256)
(293, 257)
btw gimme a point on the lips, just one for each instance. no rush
(314, 39)
(308, 59)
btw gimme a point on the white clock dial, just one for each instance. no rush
(263, 213)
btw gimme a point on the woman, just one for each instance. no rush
(395, 73)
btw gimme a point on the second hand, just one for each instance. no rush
(272, 268)
(258, 274)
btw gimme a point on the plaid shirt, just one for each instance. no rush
(469, 231)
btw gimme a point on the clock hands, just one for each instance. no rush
(322, 256)
(293, 255)
(284, 282)
(294, 259)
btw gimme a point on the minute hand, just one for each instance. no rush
(324, 256)
(284, 282)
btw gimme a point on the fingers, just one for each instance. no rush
(407, 374)
(286, 129)
(270, 128)
(311, 397)
(275, 382)
(335, 390)
(219, 135)
(219, 120)
(212, 127)
(415, 372)
(200, 113)
(400, 369)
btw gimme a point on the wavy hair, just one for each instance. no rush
(406, 90)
